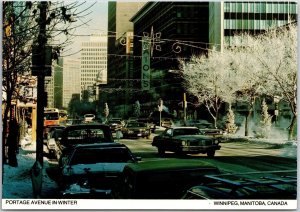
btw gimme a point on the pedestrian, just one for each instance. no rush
(13, 142)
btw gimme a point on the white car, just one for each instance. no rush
(52, 138)
(89, 117)
(94, 166)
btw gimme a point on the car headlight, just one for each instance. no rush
(183, 143)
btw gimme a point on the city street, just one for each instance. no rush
(232, 157)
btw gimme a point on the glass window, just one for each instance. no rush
(275, 7)
(226, 7)
(245, 9)
(263, 7)
(239, 7)
(245, 24)
(251, 24)
(251, 7)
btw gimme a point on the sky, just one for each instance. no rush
(97, 15)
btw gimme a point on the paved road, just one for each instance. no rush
(233, 157)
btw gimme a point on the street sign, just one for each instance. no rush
(38, 67)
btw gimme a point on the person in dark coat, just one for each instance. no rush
(13, 142)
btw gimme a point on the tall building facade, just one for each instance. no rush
(93, 57)
(120, 57)
(71, 79)
(54, 85)
(175, 30)
(234, 17)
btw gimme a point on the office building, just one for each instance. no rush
(71, 79)
(93, 68)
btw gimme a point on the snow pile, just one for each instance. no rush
(17, 180)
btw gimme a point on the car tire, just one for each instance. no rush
(161, 151)
(211, 153)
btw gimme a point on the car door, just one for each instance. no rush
(167, 139)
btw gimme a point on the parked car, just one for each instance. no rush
(73, 122)
(167, 122)
(115, 125)
(135, 130)
(160, 179)
(50, 128)
(92, 169)
(82, 134)
(186, 140)
(201, 124)
(259, 185)
(212, 132)
(89, 117)
(150, 124)
(53, 137)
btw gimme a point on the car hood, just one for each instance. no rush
(193, 137)
(135, 128)
(95, 168)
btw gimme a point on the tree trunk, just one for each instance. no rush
(215, 122)
(247, 122)
(291, 128)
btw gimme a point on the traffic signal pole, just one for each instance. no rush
(42, 40)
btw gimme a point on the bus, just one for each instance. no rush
(51, 116)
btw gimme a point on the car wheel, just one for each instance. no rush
(161, 151)
(211, 153)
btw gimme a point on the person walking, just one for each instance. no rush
(13, 142)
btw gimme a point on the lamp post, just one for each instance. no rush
(276, 109)
(160, 108)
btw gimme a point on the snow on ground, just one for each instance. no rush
(17, 180)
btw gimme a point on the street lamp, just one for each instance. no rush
(276, 109)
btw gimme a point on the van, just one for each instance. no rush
(161, 179)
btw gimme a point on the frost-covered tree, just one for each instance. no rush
(106, 111)
(230, 122)
(211, 79)
(136, 109)
(275, 56)
(264, 126)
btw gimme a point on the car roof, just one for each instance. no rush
(170, 164)
(86, 125)
(101, 145)
(252, 185)
(182, 127)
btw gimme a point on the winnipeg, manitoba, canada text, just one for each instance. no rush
(252, 202)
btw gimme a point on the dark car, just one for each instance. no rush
(260, 185)
(135, 130)
(186, 140)
(82, 134)
(160, 179)
(149, 123)
(50, 128)
(92, 169)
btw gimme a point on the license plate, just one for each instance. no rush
(139, 134)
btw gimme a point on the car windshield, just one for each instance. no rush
(186, 132)
(114, 122)
(86, 135)
(133, 124)
(101, 155)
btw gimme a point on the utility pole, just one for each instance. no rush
(184, 108)
(42, 40)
